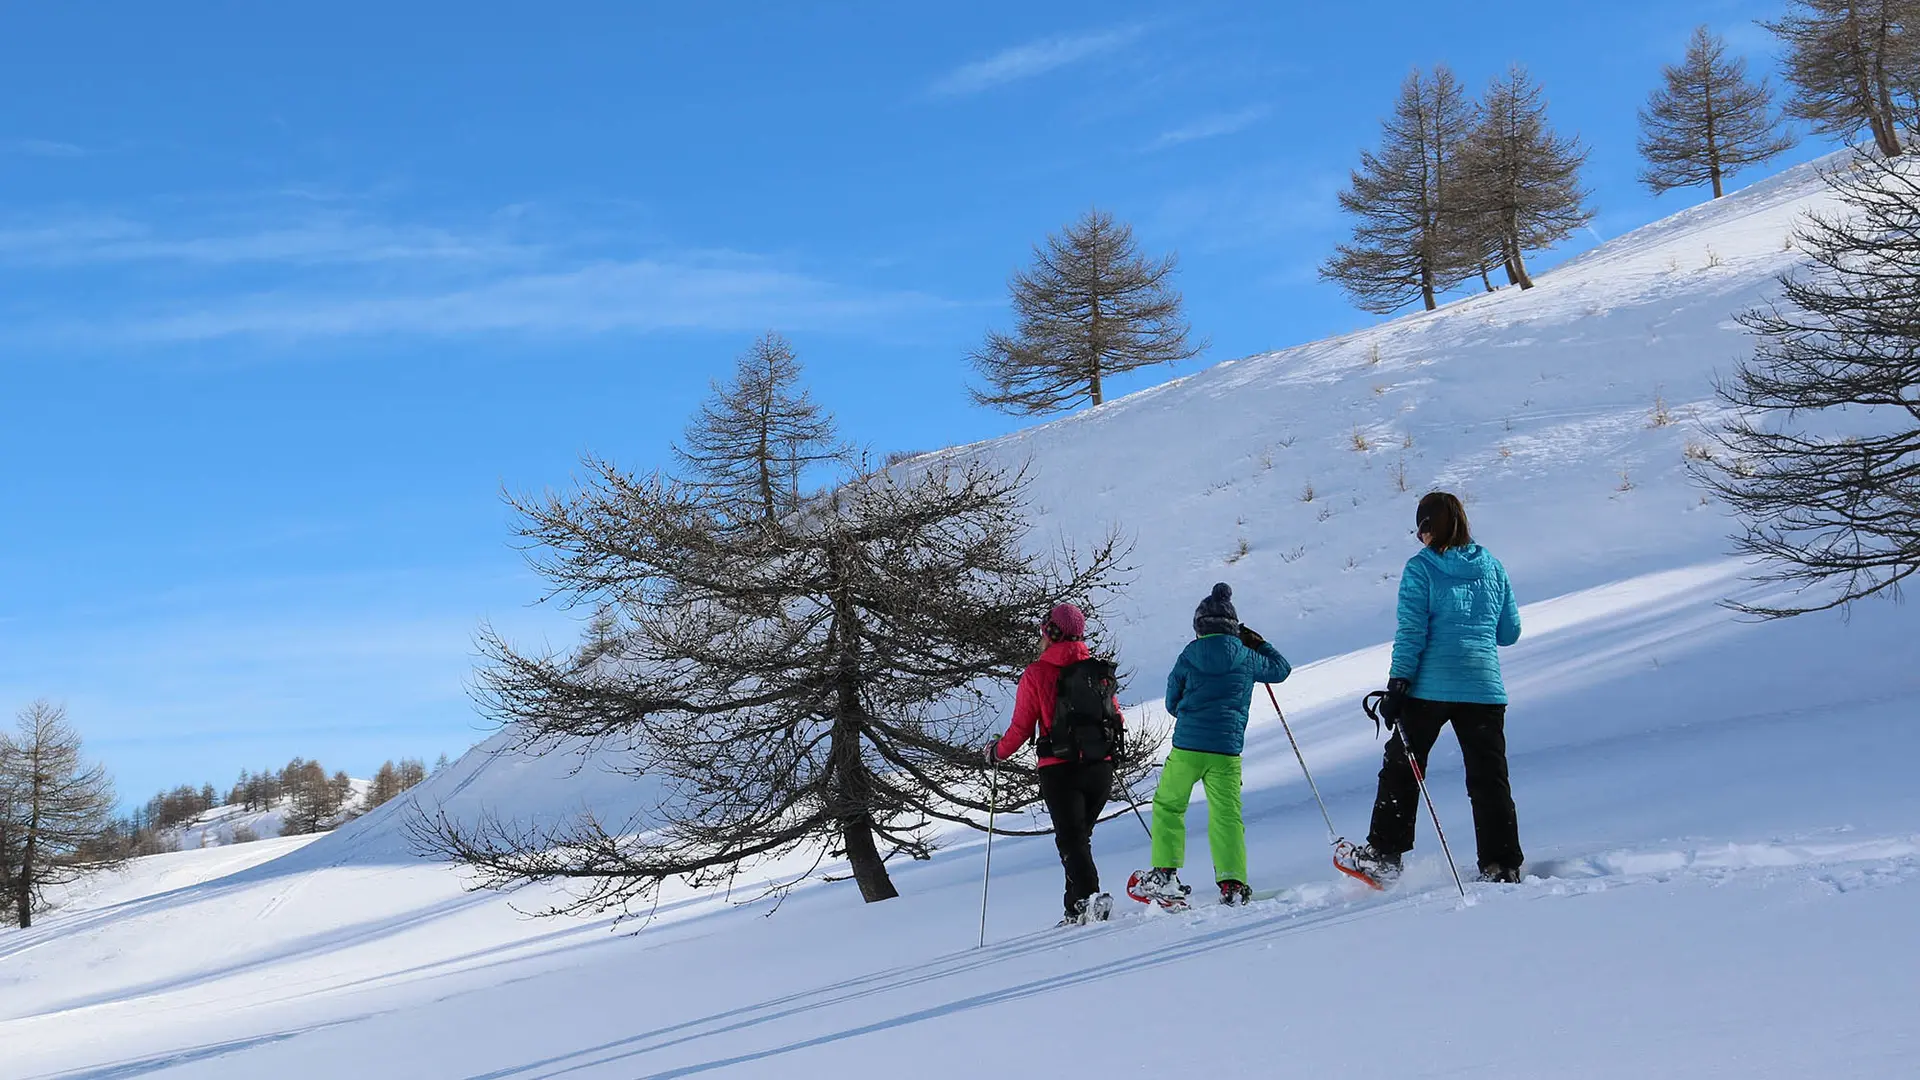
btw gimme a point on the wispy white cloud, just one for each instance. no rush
(1263, 207)
(308, 275)
(1211, 127)
(90, 240)
(717, 293)
(46, 148)
(352, 681)
(1031, 59)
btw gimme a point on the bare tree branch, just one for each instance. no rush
(1823, 459)
(822, 678)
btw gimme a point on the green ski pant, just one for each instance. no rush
(1226, 833)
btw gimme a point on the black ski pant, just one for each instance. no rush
(1482, 731)
(1075, 795)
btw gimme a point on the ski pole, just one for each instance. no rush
(1142, 817)
(1419, 777)
(1332, 836)
(993, 801)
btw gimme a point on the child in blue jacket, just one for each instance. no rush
(1209, 693)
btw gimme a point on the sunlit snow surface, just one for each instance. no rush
(1723, 815)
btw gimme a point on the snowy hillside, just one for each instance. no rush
(233, 824)
(1719, 814)
(1543, 409)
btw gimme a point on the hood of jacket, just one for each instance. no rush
(1470, 563)
(1062, 654)
(1214, 654)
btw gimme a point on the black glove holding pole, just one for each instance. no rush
(1395, 701)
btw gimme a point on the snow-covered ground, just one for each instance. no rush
(1721, 815)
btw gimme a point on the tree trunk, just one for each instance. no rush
(1885, 136)
(1713, 145)
(1870, 88)
(23, 886)
(1886, 129)
(852, 807)
(869, 870)
(1484, 279)
(1095, 392)
(1517, 261)
(764, 449)
(1426, 285)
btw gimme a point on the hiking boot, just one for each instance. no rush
(1160, 885)
(1500, 875)
(1235, 893)
(1381, 866)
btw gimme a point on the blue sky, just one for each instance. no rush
(291, 292)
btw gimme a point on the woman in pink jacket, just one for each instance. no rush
(1076, 756)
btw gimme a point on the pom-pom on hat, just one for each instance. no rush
(1215, 615)
(1065, 623)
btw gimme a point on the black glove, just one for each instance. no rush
(993, 753)
(1251, 638)
(1395, 701)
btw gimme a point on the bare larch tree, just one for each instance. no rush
(1823, 462)
(1090, 306)
(1854, 64)
(756, 435)
(820, 682)
(55, 808)
(391, 781)
(316, 799)
(1709, 121)
(1404, 197)
(1520, 179)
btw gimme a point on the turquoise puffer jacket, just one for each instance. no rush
(1456, 609)
(1211, 688)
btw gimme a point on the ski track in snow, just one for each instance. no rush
(1722, 828)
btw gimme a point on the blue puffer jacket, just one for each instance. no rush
(1456, 608)
(1211, 687)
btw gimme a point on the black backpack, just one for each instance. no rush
(1086, 726)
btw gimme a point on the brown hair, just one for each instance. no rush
(1444, 521)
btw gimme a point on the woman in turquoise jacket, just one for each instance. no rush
(1456, 611)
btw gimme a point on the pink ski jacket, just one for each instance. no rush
(1033, 702)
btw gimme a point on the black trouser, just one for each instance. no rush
(1075, 795)
(1482, 731)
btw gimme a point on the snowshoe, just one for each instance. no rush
(1235, 893)
(1093, 909)
(1160, 885)
(1376, 869)
(1500, 875)
(1099, 908)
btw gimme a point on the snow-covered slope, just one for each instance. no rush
(1721, 813)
